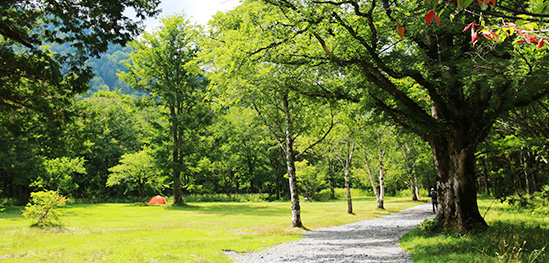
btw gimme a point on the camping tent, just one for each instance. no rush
(158, 200)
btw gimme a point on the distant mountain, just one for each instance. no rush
(107, 66)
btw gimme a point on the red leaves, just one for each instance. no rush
(490, 35)
(429, 17)
(400, 29)
(499, 33)
(530, 39)
(542, 42)
(485, 2)
(474, 35)
(467, 27)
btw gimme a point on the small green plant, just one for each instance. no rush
(430, 225)
(42, 209)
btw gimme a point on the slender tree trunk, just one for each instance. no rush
(371, 175)
(290, 164)
(251, 174)
(331, 178)
(457, 194)
(527, 169)
(381, 198)
(141, 189)
(485, 179)
(348, 160)
(176, 156)
(409, 164)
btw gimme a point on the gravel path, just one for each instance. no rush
(373, 240)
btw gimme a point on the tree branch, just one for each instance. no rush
(320, 140)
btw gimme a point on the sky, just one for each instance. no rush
(198, 11)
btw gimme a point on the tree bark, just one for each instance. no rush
(371, 175)
(457, 193)
(176, 158)
(381, 198)
(331, 178)
(413, 190)
(348, 160)
(485, 179)
(290, 164)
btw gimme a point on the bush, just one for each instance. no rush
(430, 226)
(544, 192)
(42, 209)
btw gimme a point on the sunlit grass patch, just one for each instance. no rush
(199, 232)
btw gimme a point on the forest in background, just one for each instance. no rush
(326, 116)
(239, 156)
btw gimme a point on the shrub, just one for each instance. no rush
(430, 225)
(42, 209)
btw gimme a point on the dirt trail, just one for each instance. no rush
(373, 240)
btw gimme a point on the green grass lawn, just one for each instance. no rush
(197, 233)
(514, 235)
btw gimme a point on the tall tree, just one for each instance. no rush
(288, 116)
(269, 88)
(432, 82)
(162, 64)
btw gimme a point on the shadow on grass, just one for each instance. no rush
(11, 211)
(502, 241)
(232, 209)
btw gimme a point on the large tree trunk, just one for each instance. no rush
(457, 194)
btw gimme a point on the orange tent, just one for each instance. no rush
(158, 200)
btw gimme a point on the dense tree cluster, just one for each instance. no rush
(289, 99)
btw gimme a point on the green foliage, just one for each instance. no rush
(36, 79)
(42, 209)
(309, 179)
(545, 192)
(137, 171)
(430, 226)
(110, 124)
(20, 164)
(59, 174)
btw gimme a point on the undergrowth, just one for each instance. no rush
(515, 234)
